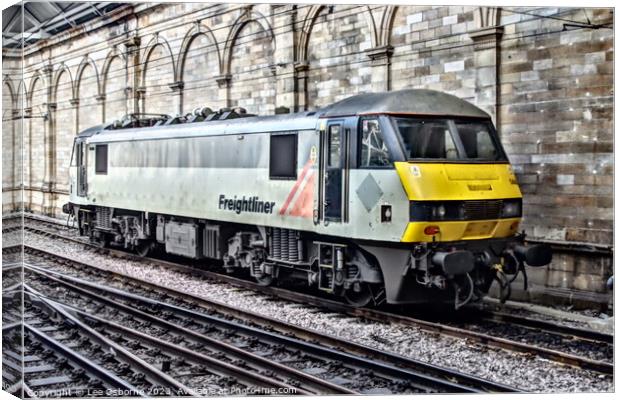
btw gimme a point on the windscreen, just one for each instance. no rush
(445, 139)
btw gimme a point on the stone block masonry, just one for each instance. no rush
(547, 85)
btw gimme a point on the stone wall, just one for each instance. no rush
(544, 74)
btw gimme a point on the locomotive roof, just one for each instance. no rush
(273, 123)
(408, 101)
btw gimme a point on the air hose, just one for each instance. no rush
(504, 286)
(457, 290)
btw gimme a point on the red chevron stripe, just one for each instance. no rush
(303, 206)
(291, 194)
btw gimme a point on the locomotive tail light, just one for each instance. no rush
(431, 230)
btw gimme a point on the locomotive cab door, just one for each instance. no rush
(334, 171)
(80, 161)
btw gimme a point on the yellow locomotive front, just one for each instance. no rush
(465, 206)
(457, 179)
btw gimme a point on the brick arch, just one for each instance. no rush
(21, 93)
(38, 75)
(114, 104)
(245, 80)
(9, 140)
(38, 135)
(385, 25)
(86, 61)
(11, 87)
(61, 70)
(309, 22)
(89, 112)
(325, 79)
(156, 41)
(112, 54)
(64, 127)
(248, 16)
(36, 83)
(195, 31)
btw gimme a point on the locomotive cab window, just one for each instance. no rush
(477, 140)
(283, 156)
(445, 139)
(101, 159)
(76, 154)
(373, 149)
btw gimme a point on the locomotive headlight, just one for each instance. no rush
(434, 210)
(511, 208)
(439, 211)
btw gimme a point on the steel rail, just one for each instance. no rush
(80, 360)
(426, 382)
(11, 325)
(314, 385)
(501, 343)
(11, 266)
(111, 380)
(550, 327)
(311, 335)
(579, 333)
(214, 364)
(228, 370)
(155, 374)
(377, 315)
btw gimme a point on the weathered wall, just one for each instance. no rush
(547, 85)
(336, 61)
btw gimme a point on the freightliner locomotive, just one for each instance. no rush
(400, 197)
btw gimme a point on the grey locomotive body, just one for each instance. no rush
(323, 196)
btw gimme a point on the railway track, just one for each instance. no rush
(310, 367)
(562, 341)
(62, 358)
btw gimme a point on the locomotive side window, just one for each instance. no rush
(101, 159)
(374, 151)
(283, 156)
(334, 145)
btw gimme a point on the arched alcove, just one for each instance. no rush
(253, 85)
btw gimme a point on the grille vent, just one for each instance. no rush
(284, 245)
(482, 209)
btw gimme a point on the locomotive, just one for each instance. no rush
(399, 197)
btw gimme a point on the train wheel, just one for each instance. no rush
(265, 280)
(103, 241)
(361, 298)
(144, 248)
